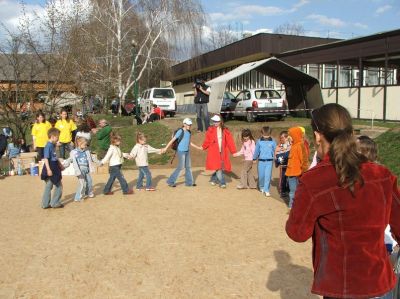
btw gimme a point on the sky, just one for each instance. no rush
(325, 18)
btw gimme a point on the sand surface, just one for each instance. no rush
(183, 242)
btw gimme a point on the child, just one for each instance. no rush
(51, 172)
(82, 161)
(297, 163)
(264, 152)
(219, 143)
(23, 146)
(140, 153)
(369, 149)
(247, 179)
(116, 158)
(281, 161)
(183, 153)
(13, 149)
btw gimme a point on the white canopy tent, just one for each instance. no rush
(302, 90)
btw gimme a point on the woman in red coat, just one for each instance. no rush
(218, 143)
(344, 204)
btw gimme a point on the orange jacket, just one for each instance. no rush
(298, 160)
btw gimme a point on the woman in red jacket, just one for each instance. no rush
(345, 203)
(218, 143)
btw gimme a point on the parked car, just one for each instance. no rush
(164, 98)
(228, 105)
(254, 103)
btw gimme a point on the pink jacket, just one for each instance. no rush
(247, 150)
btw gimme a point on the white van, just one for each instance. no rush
(162, 97)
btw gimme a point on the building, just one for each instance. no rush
(360, 74)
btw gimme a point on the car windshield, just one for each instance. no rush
(163, 93)
(267, 94)
(229, 96)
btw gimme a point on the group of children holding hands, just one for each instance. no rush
(290, 155)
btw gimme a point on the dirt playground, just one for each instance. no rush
(183, 242)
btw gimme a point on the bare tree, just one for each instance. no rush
(220, 37)
(290, 29)
(133, 36)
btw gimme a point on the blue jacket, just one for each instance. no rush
(265, 149)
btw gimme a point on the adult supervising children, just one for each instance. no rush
(344, 204)
(103, 137)
(39, 134)
(66, 126)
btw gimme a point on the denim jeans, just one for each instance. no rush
(264, 175)
(218, 177)
(183, 162)
(388, 295)
(293, 182)
(144, 171)
(85, 184)
(202, 114)
(47, 199)
(64, 147)
(115, 173)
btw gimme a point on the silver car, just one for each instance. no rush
(261, 102)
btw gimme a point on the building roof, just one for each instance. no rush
(256, 47)
(370, 49)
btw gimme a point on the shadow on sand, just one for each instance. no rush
(292, 281)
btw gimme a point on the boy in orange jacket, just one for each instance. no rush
(297, 163)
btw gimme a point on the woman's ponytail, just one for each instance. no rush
(334, 123)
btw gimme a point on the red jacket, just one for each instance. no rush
(216, 160)
(349, 255)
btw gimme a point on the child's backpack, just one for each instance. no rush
(176, 142)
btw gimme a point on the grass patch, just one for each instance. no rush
(118, 121)
(157, 136)
(389, 150)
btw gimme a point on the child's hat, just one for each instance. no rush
(187, 121)
(216, 118)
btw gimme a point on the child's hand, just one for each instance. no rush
(49, 173)
(126, 156)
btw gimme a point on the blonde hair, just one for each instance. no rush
(80, 140)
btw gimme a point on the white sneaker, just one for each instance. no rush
(212, 183)
(91, 195)
(267, 194)
(223, 186)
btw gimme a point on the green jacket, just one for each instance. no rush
(103, 137)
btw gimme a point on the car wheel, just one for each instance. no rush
(171, 114)
(249, 116)
(281, 117)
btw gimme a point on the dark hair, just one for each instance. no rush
(84, 127)
(368, 148)
(64, 110)
(266, 130)
(247, 133)
(335, 124)
(40, 113)
(53, 132)
(284, 133)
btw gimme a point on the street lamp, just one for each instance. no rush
(135, 85)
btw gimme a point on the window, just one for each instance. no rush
(160, 93)
(330, 76)
(267, 94)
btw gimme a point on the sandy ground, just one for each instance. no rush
(183, 242)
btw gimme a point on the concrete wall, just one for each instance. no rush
(348, 97)
(372, 102)
(393, 103)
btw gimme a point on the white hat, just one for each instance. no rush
(187, 121)
(216, 118)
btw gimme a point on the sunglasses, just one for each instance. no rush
(313, 119)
